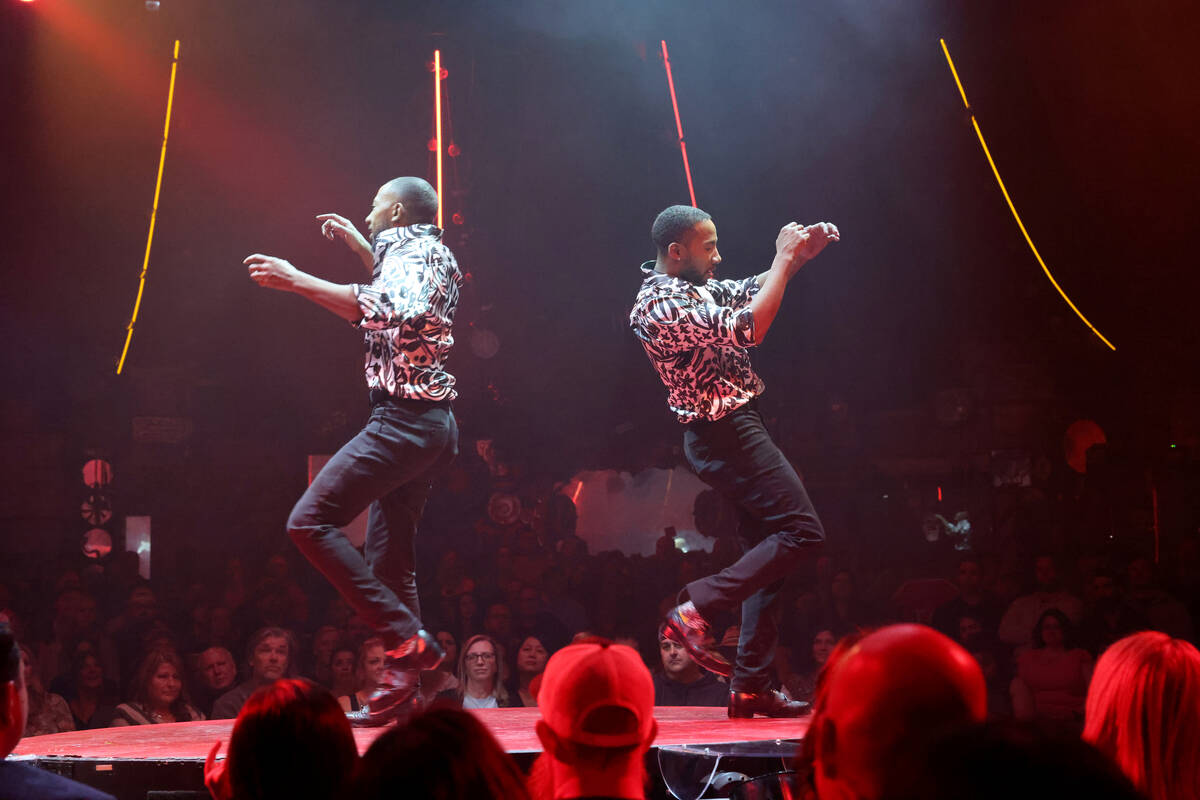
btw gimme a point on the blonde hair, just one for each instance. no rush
(499, 690)
(1143, 712)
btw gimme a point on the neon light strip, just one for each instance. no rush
(162, 159)
(437, 124)
(678, 125)
(1013, 208)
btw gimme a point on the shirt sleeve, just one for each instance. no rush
(402, 292)
(677, 322)
(735, 294)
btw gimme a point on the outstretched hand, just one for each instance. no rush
(799, 243)
(271, 272)
(335, 226)
(216, 779)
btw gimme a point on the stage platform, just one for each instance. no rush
(164, 761)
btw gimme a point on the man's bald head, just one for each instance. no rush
(419, 198)
(893, 689)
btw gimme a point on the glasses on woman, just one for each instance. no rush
(483, 657)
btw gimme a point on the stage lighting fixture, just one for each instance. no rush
(153, 5)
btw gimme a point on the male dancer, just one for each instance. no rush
(696, 329)
(407, 311)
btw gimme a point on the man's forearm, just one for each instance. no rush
(336, 297)
(765, 304)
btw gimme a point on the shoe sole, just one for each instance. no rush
(713, 662)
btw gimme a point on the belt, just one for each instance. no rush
(382, 397)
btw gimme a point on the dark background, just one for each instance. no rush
(839, 111)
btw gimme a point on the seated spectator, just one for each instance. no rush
(972, 601)
(343, 680)
(442, 680)
(1107, 616)
(1161, 610)
(531, 661)
(369, 672)
(91, 697)
(446, 754)
(597, 704)
(1143, 712)
(158, 693)
(216, 673)
(1005, 760)
(74, 620)
(48, 712)
(1016, 627)
(682, 682)
(291, 740)
(879, 703)
(18, 780)
(1052, 676)
(802, 684)
(843, 608)
(323, 642)
(269, 658)
(481, 675)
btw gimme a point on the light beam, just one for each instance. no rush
(687, 169)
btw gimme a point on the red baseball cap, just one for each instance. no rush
(598, 694)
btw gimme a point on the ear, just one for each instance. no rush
(397, 211)
(555, 747)
(675, 250)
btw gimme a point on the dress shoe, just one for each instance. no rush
(401, 680)
(685, 626)
(744, 705)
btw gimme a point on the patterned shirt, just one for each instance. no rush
(408, 311)
(696, 338)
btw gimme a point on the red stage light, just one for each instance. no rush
(457, 219)
(454, 151)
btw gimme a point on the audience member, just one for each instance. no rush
(342, 660)
(20, 781)
(885, 697)
(1016, 627)
(48, 712)
(74, 620)
(1107, 617)
(682, 682)
(216, 673)
(1052, 676)
(443, 754)
(269, 658)
(481, 675)
(531, 661)
(158, 693)
(801, 683)
(597, 704)
(324, 640)
(369, 668)
(1163, 612)
(91, 697)
(1143, 712)
(972, 601)
(291, 740)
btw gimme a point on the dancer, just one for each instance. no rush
(407, 311)
(696, 329)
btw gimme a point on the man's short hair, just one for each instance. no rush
(10, 656)
(674, 223)
(419, 198)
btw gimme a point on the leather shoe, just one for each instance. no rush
(685, 626)
(744, 705)
(401, 680)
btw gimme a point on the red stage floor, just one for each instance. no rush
(513, 727)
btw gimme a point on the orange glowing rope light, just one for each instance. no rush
(437, 124)
(162, 160)
(1011, 207)
(687, 169)
(578, 489)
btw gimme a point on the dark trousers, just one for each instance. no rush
(735, 456)
(389, 466)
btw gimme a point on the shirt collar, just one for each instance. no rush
(662, 279)
(408, 232)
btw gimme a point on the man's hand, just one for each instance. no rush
(335, 226)
(216, 780)
(271, 272)
(797, 243)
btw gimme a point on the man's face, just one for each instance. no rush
(698, 253)
(270, 658)
(142, 604)
(1045, 573)
(969, 576)
(1103, 587)
(217, 669)
(385, 209)
(675, 659)
(498, 621)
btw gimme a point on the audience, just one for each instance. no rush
(1143, 712)
(342, 668)
(91, 697)
(158, 693)
(443, 754)
(531, 661)
(1016, 627)
(481, 675)
(682, 682)
(369, 668)
(1052, 676)
(48, 712)
(597, 708)
(973, 601)
(291, 740)
(269, 658)
(802, 683)
(216, 673)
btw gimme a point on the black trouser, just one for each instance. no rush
(389, 466)
(735, 456)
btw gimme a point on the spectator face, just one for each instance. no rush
(217, 670)
(499, 621)
(342, 665)
(91, 674)
(165, 685)
(531, 602)
(675, 659)
(467, 607)
(142, 604)
(323, 643)
(450, 645)
(970, 576)
(968, 627)
(270, 659)
(842, 587)
(373, 662)
(1052, 632)
(531, 658)
(481, 662)
(1103, 587)
(1045, 573)
(1141, 574)
(823, 644)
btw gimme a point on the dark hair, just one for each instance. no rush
(10, 656)
(673, 224)
(1068, 629)
(442, 754)
(140, 689)
(262, 634)
(419, 198)
(290, 740)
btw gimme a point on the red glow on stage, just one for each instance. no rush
(438, 74)
(687, 169)
(939, 494)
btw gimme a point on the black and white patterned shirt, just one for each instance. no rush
(408, 311)
(696, 338)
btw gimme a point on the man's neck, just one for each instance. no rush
(687, 676)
